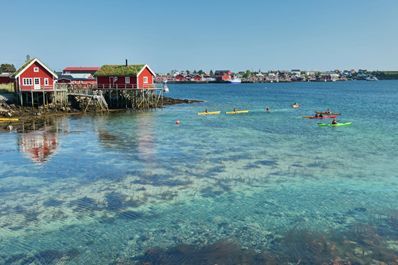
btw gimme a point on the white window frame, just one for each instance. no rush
(46, 82)
(36, 69)
(145, 80)
(27, 81)
(127, 80)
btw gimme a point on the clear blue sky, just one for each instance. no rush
(206, 34)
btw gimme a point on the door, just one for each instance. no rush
(36, 83)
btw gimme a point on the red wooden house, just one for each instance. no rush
(223, 75)
(34, 82)
(137, 76)
(79, 76)
(6, 78)
(180, 78)
(197, 78)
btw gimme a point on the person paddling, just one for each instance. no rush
(334, 121)
(267, 109)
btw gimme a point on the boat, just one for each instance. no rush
(235, 80)
(327, 113)
(8, 119)
(165, 87)
(237, 112)
(295, 106)
(339, 124)
(209, 113)
(371, 78)
(321, 117)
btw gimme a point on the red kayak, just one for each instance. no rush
(327, 113)
(323, 117)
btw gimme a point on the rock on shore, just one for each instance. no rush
(173, 101)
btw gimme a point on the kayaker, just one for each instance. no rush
(234, 110)
(267, 109)
(321, 115)
(334, 121)
(206, 111)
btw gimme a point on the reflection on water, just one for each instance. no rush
(39, 141)
(39, 146)
(137, 139)
(146, 145)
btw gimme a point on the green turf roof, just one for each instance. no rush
(119, 70)
(23, 67)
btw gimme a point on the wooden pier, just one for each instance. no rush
(114, 97)
(45, 98)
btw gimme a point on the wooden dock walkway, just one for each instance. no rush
(105, 97)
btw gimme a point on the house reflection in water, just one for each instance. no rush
(40, 145)
(146, 144)
(137, 139)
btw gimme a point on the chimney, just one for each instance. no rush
(126, 63)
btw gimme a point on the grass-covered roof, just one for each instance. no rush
(119, 70)
(23, 67)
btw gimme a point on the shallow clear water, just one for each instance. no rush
(135, 187)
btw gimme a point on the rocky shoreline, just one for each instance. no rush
(12, 115)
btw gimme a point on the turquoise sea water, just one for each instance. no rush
(256, 188)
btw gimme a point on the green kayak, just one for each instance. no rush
(334, 125)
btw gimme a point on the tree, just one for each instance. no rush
(247, 74)
(7, 68)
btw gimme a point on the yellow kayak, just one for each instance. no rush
(237, 112)
(8, 119)
(209, 113)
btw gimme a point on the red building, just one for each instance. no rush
(6, 78)
(223, 75)
(34, 82)
(79, 77)
(197, 78)
(126, 76)
(80, 70)
(180, 78)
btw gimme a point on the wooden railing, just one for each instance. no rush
(105, 86)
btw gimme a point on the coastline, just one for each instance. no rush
(26, 116)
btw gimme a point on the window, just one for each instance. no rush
(27, 81)
(36, 69)
(46, 81)
(127, 80)
(145, 80)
